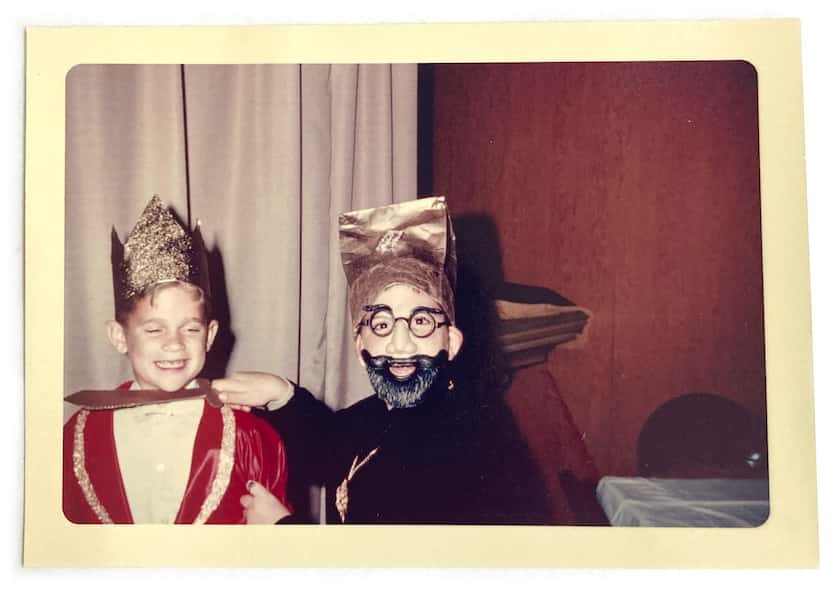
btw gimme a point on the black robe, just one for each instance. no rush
(441, 462)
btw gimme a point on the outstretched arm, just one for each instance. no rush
(305, 424)
(244, 390)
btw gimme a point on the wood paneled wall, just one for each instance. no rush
(633, 190)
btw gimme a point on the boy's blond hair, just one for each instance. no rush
(124, 308)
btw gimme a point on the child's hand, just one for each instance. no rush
(261, 506)
(244, 389)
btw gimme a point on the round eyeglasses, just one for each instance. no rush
(421, 322)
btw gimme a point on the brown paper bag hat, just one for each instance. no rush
(157, 250)
(411, 243)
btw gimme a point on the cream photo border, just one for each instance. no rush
(788, 539)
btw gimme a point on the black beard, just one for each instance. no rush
(411, 391)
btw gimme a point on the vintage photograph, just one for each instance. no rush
(595, 268)
(465, 299)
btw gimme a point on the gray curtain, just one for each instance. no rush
(265, 156)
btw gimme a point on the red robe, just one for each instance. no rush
(93, 490)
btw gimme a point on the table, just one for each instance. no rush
(676, 502)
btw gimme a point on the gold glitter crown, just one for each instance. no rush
(158, 249)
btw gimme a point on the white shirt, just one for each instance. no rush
(154, 444)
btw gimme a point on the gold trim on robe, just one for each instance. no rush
(218, 486)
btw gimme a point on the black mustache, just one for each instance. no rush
(422, 362)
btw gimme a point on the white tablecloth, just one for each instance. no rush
(659, 502)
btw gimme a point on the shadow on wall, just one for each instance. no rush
(700, 435)
(482, 371)
(485, 372)
(569, 475)
(481, 364)
(219, 356)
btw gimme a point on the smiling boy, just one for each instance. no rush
(166, 336)
(160, 453)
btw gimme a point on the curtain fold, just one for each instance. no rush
(363, 165)
(244, 142)
(266, 157)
